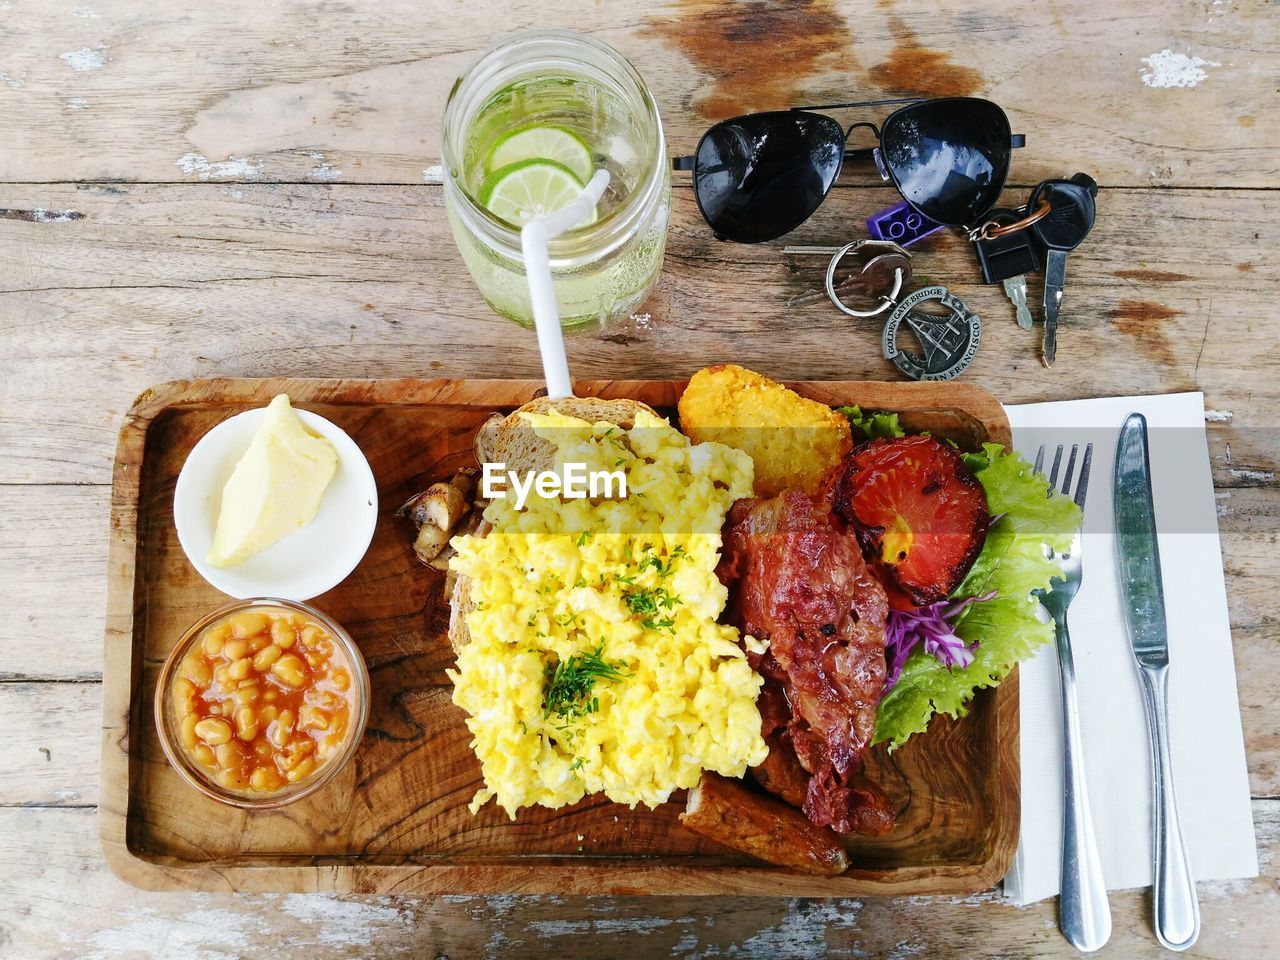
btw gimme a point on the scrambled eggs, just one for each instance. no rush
(595, 662)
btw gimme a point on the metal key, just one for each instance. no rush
(885, 266)
(1068, 223)
(1007, 260)
(1015, 288)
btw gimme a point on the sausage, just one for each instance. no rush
(780, 773)
(732, 814)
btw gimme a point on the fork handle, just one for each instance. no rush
(1173, 891)
(1084, 913)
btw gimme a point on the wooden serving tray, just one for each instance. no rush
(396, 820)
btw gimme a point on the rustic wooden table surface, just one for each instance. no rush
(248, 189)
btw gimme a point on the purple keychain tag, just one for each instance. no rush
(900, 224)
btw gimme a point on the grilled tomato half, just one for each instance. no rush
(919, 512)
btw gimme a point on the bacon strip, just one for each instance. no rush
(797, 579)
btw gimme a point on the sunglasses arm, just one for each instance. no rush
(686, 163)
(1016, 141)
(859, 103)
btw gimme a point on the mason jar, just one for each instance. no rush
(601, 270)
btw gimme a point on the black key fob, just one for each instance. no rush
(1072, 211)
(1013, 255)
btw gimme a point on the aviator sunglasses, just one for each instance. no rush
(761, 175)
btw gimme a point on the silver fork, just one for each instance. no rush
(1083, 912)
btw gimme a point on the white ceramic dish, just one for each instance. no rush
(302, 564)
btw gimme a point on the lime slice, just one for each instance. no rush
(521, 191)
(542, 143)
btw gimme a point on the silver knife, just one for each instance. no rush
(1173, 892)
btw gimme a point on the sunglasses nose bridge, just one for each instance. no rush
(867, 124)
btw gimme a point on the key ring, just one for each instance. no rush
(948, 343)
(900, 277)
(990, 230)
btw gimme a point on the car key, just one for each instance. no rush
(1008, 259)
(1069, 221)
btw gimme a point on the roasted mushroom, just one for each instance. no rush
(436, 512)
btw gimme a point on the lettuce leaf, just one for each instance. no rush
(869, 426)
(1006, 628)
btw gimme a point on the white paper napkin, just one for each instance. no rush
(1208, 745)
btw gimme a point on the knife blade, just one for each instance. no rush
(1173, 891)
(1137, 548)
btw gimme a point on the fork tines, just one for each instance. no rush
(1082, 485)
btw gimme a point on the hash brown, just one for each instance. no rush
(793, 441)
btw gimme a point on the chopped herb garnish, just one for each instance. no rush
(650, 601)
(663, 567)
(577, 764)
(568, 685)
(583, 537)
(648, 604)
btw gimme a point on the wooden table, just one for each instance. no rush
(251, 189)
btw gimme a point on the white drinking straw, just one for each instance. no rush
(534, 238)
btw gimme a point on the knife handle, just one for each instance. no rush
(1173, 891)
(1084, 914)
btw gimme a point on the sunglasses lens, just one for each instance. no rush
(759, 176)
(949, 158)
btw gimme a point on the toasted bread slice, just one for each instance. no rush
(460, 603)
(521, 449)
(793, 441)
(517, 445)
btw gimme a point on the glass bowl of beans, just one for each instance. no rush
(262, 702)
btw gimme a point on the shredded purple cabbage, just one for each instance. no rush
(934, 627)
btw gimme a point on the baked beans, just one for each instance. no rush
(263, 701)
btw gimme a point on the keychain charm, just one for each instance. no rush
(900, 224)
(949, 343)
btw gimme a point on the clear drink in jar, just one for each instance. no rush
(525, 127)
